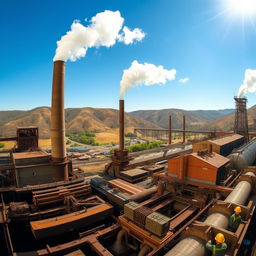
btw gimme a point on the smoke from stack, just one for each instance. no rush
(249, 83)
(147, 74)
(105, 29)
(184, 80)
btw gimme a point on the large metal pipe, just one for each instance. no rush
(57, 113)
(119, 246)
(144, 250)
(193, 246)
(121, 125)
(243, 156)
(144, 194)
(241, 192)
(217, 219)
(170, 130)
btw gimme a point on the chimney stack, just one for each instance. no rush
(120, 158)
(121, 125)
(241, 121)
(57, 113)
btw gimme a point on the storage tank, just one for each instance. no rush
(243, 156)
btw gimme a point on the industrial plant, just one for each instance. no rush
(177, 202)
(191, 196)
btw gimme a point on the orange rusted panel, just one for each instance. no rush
(197, 168)
(201, 170)
(174, 166)
(64, 223)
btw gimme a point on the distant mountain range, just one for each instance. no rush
(105, 119)
(194, 118)
(226, 123)
(77, 119)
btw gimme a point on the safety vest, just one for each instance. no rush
(235, 221)
(218, 249)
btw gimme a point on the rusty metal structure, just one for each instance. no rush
(57, 113)
(58, 119)
(171, 211)
(169, 203)
(163, 134)
(121, 125)
(190, 198)
(241, 121)
(27, 138)
(120, 157)
(217, 221)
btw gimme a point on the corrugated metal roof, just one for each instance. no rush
(213, 159)
(31, 154)
(125, 186)
(27, 127)
(134, 172)
(226, 140)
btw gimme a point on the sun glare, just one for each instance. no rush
(243, 7)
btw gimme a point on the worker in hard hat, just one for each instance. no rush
(218, 249)
(235, 219)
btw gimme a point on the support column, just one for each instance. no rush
(184, 128)
(170, 130)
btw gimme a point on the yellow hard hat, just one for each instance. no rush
(220, 238)
(238, 209)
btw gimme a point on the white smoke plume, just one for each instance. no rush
(147, 74)
(105, 29)
(128, 35)
(249, 83)
(184, 80)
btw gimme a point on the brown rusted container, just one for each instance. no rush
(140, 215)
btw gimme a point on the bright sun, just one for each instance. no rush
(243, 7)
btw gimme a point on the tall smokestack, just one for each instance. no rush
(120, 157)
(121, 125)
(241, 121)
(57, 113)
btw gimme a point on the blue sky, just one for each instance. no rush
(192, 36)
